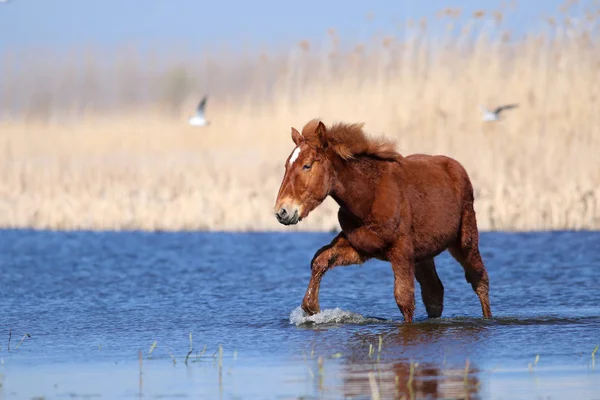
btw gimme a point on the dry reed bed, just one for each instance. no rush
(538, 169)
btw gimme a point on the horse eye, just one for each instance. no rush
(307, 166)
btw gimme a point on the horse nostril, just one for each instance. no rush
(282, 212)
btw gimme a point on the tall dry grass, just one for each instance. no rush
(105, 145)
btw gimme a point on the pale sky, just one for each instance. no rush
(32, 31)
(51, 24)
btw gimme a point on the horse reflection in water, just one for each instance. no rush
(395, 381)
(440, 369)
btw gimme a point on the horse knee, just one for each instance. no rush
(483, 282)
(468, 277)
(478, 279)
(320, 263)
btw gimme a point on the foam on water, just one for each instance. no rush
(331, 316)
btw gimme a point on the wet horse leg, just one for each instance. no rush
(338, 253)
(403, 267)
(466, 252)
(432, 290)
(404, 287)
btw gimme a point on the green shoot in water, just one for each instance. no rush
(21, 341)
(374, 387)
(311, 373)
(189, 352)
(411, 373)
(320, 364)
(537, 358)
(411, 377)
(173, 358)
(152, 347)
(594, 357)
(220, 356)
(203, 351)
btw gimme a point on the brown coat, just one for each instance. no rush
(405, 210)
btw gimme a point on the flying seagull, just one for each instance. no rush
(495, 115)
(198, 119)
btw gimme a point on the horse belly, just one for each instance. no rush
(436, 225)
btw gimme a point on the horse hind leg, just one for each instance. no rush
(432, 290)
(466, 252)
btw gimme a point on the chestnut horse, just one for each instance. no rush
(405, 210)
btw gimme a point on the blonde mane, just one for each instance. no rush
(349, 141)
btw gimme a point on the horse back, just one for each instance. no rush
(428, 172)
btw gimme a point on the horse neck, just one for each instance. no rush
(353, 185)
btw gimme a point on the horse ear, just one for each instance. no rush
(320, 131)
(296, 136)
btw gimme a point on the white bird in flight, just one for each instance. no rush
(198, 119)
(495, 115)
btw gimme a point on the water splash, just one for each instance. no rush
(331, 316)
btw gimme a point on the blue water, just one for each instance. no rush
(91, 301)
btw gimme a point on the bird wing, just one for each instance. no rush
(506, 107)
(201, 105)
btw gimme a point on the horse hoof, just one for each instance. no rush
(310, 310)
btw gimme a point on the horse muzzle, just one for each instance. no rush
(288, 216)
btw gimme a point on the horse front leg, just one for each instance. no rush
(338, 253)
(403, 266)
